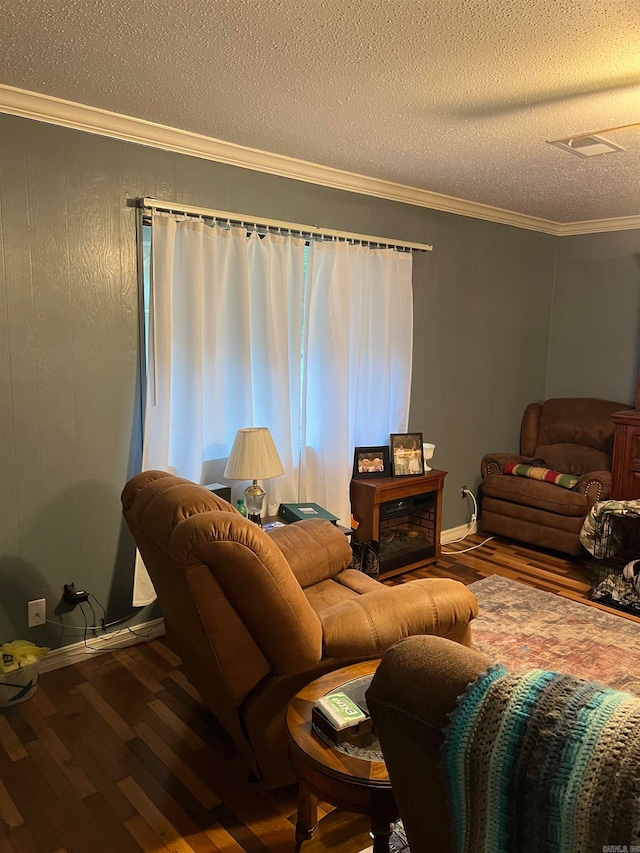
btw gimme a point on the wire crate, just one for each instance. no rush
(617, 544)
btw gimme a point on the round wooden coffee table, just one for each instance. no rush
(350, 777)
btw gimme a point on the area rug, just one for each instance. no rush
(523, 627)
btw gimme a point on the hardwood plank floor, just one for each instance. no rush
(116, 754)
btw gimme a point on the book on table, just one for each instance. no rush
(302, 511)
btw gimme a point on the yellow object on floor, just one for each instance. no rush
(19, 653)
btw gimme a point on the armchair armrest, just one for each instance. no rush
(412, 693)
(315, 549)
(595, 486)
(368, 625)
(493, 463)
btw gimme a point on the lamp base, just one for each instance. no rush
(254, 496)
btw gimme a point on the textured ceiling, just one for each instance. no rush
(454, 96)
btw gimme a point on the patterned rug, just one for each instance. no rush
(523, 627)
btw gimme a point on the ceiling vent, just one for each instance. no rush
(587, 146)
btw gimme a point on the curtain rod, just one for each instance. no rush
(257, 222)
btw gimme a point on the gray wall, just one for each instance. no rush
(483, 299)
(595, 322)
(70, 401)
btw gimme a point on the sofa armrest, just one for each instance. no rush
(493, 463)
(315, 549)
(368, 625)
(595, 486)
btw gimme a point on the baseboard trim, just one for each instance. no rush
(455, 534)
(73, 653)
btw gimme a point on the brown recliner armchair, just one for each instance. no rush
(417, 686)
(569, 435)
(256, 616)
(410, 698)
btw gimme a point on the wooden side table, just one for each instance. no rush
(350, 782)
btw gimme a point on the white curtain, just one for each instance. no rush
(227, 314)
(358, 361)
(224, 351)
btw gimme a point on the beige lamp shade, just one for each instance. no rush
(253, 456)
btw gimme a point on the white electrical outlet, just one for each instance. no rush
(37, 612)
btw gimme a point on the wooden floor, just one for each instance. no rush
(115, 754)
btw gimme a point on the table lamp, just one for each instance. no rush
(253, 457)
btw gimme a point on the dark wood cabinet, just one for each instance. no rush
(403, 516)
(625, 465)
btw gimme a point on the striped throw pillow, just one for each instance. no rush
(567, 481)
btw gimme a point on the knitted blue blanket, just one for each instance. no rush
(540, 762)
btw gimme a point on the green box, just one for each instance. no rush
(301, 512)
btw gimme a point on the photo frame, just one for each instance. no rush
(371, 462)
(407, 459)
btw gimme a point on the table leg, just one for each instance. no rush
(307, 822)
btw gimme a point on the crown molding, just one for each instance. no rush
(45, 108)
(597, 226)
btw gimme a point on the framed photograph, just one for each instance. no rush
(406, 454)
(371, 462)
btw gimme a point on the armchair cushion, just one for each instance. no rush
(536, 494)
(592, 487)
(567, 481)
(573, 457)
(316, 537)
(369, 624)
(567, 422)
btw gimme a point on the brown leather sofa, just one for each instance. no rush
(256, 616)
(570, 435)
